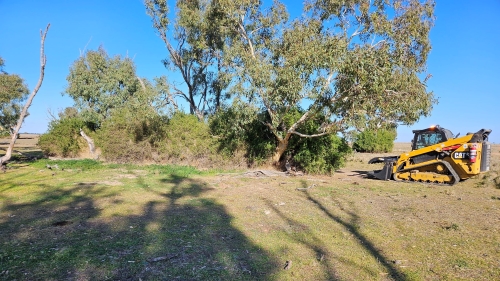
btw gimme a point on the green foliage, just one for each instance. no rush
(238, 128)
(63, 137)
(13, 91)
(242, 127)
(194, 41)
(128, 137)
(344, 58)
(318, 155)
(381, 140)
(100, 85)
(187, 138)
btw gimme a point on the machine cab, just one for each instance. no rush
(430, 136)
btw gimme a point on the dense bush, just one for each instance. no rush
(63, 138)
(128, 137)
(318, 155)
(181, 139)
(381, 140)
(187, 139)
(238, 128)
(241, 127)
(322, 155)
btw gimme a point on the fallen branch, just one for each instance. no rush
(306, 188)
(157, 259)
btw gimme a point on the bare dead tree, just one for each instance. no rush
(20, 121)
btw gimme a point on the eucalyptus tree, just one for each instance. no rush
(195, 42)
(355, 63)
(100, 84)
(13, 92)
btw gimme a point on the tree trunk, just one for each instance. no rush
(90, 142)
(281, 148)
(20, 121)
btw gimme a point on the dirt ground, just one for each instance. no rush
(346, 226)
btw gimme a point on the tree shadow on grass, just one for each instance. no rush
(351, 225)
(67, 233)
(309, 240)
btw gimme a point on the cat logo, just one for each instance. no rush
(461, 155)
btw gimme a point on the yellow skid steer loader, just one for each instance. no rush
(438, 157)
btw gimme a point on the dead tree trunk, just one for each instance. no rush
(20, 121)
(90, 142)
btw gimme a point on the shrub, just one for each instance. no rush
(238, 127)
(182, 139)
(187, 138)
(322, 155)
(381, 140)
(128, 137)
(63, 138)
(318, 155)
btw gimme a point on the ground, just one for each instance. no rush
(88, 221)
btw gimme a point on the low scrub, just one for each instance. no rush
(63, 138)
(378, 141)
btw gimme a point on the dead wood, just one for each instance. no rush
(43, 61)
(90, 142)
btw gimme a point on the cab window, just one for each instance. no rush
(428, 138)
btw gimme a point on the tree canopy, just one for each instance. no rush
(100, 84)
(354, 64)
(13, 91)
(195, 42)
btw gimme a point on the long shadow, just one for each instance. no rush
(312, 242)
(351, 226)
(362, 173)
(66, 234)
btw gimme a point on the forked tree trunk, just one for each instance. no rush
(20, 121)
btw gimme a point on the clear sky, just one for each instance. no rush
(464, 61)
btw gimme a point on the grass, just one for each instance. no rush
(93, 221)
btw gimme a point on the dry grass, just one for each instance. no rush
(128, 222)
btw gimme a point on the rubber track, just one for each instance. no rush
(452, 171)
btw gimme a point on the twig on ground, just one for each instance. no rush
(306, 188)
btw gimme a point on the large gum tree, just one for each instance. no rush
(354, 63)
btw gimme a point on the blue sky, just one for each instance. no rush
(464, 61)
